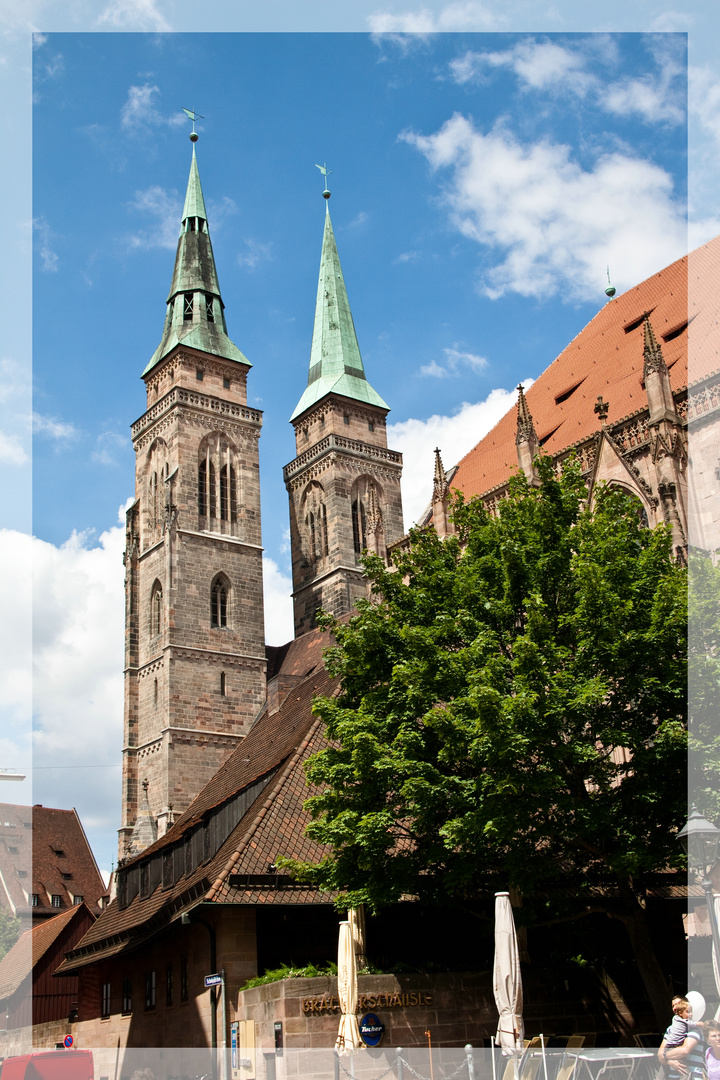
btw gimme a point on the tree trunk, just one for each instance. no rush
(647, 963)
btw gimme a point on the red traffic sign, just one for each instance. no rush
(68, 1041)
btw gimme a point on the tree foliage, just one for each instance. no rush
(9, 932)
(704, 685)
(511, 708)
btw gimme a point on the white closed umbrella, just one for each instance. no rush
(715, 957)
(507, 980)
(348, 1037)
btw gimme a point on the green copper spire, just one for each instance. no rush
(195, 311)
(335, 363)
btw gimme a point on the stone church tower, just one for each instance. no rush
(194, 644)
(344, 484)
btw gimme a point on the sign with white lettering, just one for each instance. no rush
(372, 1029)
(213, 980)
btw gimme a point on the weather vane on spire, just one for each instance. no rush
(326, 172)
(193, 116)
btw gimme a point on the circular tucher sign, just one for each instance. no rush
(372, 1029)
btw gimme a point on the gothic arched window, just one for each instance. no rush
(359, 526)
(323, 529)
(206, 491)
(156, 609)
(228, 498)
(219, 602)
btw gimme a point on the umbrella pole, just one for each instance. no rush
(542, 1044)
(430, 1053)
(492, 1055)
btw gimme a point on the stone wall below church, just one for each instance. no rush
(457, 1008)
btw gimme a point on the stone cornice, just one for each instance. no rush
(194, 399)
(338, 444)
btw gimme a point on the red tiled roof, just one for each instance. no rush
(606, 358)
(56, 831)
(273, 825)
(37, 833)
(31, 946)
(300, 656)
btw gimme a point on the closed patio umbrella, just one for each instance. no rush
(348, 1037)
(507, 981)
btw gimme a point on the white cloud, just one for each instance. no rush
(455, 361)
(78, 631)
(134, 15)
(54, 429)
(165, 207)
(705, 99)
(407, 256)
(455, 435)
(277, 588)
(257, 252)
(16, 652)
(556, 224)
(655, 97)
(141, 113)
(538, 65)
(44, 237)
(106, 446)
(411, 28)
(12, 451)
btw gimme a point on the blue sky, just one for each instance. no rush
(481, 184)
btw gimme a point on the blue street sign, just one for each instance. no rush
(372, 1029)
(213, 980)
(68, 1041)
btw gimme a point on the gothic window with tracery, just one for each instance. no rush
(228, 494)
(206, 490)
(359, 525)
(156, 609)
(209, 312)
(188, 307)
(219, 602)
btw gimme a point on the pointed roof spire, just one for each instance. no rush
(440, 484)
(525, 426)
(195, 311)
(145, 828)
(335, 362)
(653, 359)
(194, 202)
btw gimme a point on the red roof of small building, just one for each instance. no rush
(606, 358)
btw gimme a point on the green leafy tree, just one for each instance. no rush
(704, 685)
(512, 711)
(9, 932)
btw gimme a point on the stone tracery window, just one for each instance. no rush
(206, 489)
(219, 480)
(219, 592)
(156, 620)
(228, 495)
(316, 528)
(359, 525)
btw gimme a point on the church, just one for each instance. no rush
(217, 726)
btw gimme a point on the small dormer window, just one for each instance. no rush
(188, 308)
(209, 312)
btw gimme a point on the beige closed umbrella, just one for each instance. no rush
(507, 980)
(348, 1037)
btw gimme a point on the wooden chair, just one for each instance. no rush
(648, 1040)
(567, 1069)
(575, 1041)
(589, 1037)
